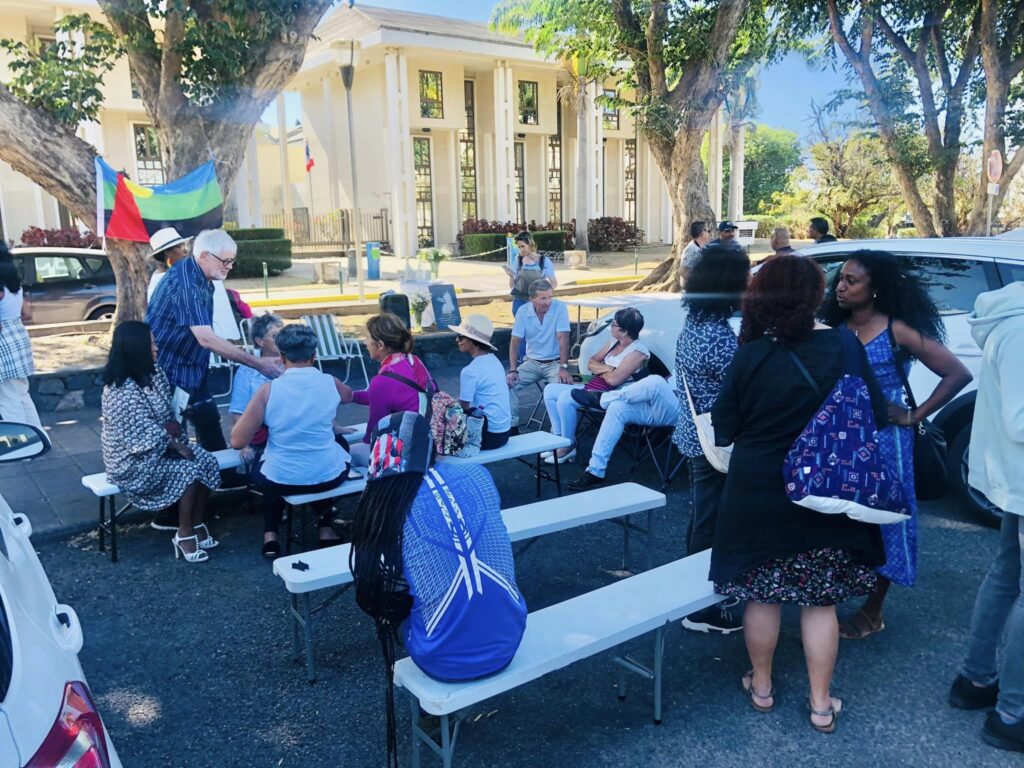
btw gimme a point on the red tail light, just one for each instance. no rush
(76, 738)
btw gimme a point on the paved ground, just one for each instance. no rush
(191, 667)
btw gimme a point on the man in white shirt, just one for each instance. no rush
(698, 239)
(543, 324)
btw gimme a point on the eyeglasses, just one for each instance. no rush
(226, 262)
(459, 337)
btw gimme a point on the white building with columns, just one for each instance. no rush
(452, 122)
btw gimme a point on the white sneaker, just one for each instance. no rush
(555, 458)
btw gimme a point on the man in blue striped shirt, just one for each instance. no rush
(180, 315)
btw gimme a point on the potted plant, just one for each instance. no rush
(434, 256)
(418, 304)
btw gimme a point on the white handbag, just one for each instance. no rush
(718, 456)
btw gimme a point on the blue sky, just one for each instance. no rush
(784, 97)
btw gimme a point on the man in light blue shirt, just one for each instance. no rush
(543, 324)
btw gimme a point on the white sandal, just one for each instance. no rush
(208, 542)
(199, 556)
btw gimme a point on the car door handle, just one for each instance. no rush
(23, 525)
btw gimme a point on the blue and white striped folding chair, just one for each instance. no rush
(331, 344)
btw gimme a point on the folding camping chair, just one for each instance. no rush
(218, 363)
(331, 344)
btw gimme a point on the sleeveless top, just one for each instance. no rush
(10, 304)
(300, 412)
(616, 360)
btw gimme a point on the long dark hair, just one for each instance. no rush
(9, 279)
(897, 293)
(782, 298)
(131, 355)
(375, 560)
(716, 283)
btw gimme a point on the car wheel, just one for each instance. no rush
(956, 476)
(103, 313)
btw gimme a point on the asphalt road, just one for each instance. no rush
(190, 664)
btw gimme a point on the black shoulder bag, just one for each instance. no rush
(929, 443)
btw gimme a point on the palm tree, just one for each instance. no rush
(574, 93)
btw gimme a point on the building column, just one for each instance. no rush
(455, 167)
(286, 182)
(545, 176)
(736, 161)
(595, 152)
(330, 145)
(715, 163)
(401, 186)
(486, 206)
(504, 137)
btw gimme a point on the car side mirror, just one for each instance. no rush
(21, 441)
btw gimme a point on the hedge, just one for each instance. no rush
(484, 242)
(258, 245)
(257, 233)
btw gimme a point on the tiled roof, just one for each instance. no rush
(346, 23)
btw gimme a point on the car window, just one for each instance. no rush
(1011, 272)
(19, 264)
(54, 269)
(953, 284)
(96, 264)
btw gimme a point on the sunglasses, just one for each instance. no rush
(226, 262)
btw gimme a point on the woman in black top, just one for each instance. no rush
(768, 550)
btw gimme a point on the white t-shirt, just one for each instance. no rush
(616, 360)
(690, 254)
(482, 384)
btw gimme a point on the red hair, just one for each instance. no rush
(782, 299)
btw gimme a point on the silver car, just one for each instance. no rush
(67, 285)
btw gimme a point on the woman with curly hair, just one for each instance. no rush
(890, 312)
(767, 550)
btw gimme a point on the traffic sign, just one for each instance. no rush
(994, 166)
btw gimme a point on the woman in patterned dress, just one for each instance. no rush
(766, 549)
(706, 345)
(143, 452)
(873, 295)
(15, 348)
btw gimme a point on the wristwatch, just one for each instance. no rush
(564, 366)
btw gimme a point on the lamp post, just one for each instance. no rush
(348, 72)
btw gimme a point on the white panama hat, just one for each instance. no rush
(478, 328)
(163, 239)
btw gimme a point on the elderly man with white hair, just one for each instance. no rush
(180, 315)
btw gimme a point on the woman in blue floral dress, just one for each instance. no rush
(889, 310)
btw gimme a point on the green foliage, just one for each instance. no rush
(483, 242)
(770, 156)
(610, 233)
(257, 233)
(258, 245)
(62, 78)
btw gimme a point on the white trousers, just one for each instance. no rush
(650, 403)
(562, 409)
(15, 403)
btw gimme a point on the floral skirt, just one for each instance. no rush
(815, 578)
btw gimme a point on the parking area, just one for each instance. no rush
(190, 663)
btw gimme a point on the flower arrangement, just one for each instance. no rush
(418, 304)
(434, 256)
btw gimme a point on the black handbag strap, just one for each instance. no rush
(399, 377)
(800, 367)
(899, 367)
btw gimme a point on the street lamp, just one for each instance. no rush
(348, 72)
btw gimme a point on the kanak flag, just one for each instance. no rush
(310, 162)
(129, 211)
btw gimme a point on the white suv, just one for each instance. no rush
(47, 714)
(954, 269)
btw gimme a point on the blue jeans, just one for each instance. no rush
(999, 616)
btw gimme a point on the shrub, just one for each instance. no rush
(258, 245)
(610, 233)
(482, 243)
(69, 237)
(257, 233)
(906, 232)
(766, 225)
(559, 240)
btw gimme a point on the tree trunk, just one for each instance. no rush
(582, 168)
(132, 268)
(687, 184)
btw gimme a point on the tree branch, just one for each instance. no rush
(129, 20)
(50, 154)
(655, 50)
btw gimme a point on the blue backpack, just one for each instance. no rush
(836, 466)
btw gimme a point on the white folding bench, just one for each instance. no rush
(309, 572)
(518, 446)
(355, 483)
(107, 494)
(563, 634)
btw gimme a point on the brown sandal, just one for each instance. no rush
(835, 706)
(859, 626)
(747, 683)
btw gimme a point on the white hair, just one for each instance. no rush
(215, 241)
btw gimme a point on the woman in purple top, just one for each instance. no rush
(403, 382)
